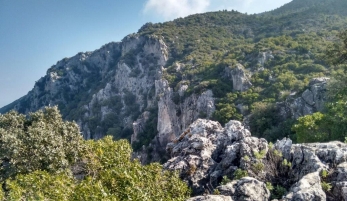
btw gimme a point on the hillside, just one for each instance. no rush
(222, 65)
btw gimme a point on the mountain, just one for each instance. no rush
(220, 65)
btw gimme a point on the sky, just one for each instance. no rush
(35, 34)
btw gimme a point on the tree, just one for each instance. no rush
(310, 128)
(45, 158)
(337, 53)
(109, 174)
(332, 125)
(40, 141)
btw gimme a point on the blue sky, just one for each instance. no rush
(35, 34)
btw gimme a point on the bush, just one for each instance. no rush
(269, 186)
(258, 167)
(278, 192)
(225, 180)
(41, 150)
(238, 174)
(326, 186)
(41, 141)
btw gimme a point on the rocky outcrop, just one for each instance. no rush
(174, 118)
(263, 57)
(308, 188)
(239, 77)
(246, 188)
(211, 198)
(311, 100)
(206, 152)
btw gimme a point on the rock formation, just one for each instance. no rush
(311, 100)
(206, 153)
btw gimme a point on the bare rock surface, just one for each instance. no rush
(207, 153)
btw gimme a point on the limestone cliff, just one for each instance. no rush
(119, 90)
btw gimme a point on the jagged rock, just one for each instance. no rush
(284, 146)
(139, 126)
(239, 77)
(264, 57)
(206, 152)
(200, 147)
(211, 198)
(247, 188)
(172, 118)
(311, 100)
(308, 188)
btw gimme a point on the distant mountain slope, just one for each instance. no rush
(219, 65)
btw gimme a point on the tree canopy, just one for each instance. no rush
(45, 158)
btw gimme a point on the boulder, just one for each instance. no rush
(308, 188)
(246, 189)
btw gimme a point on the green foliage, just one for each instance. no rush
(324, 174)
(109, 164)
(226, 109)
(269, 186)
(326, 186)
(39, 151)
(41, 141)
(265, 122)
(278, 153)
(278, 192)
(286, 163)
(216, 192)
(260, 155)
(312, 128)
(258, 167)
(149, 131)
(40, 185)
(239, 173)
(225, 180)
(337, 52)
(246, 158)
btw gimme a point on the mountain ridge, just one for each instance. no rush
(220, 65)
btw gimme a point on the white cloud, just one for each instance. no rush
(170, 9)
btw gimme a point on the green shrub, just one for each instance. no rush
(41, 141)
(278, 192)
(41, 185)
(324, 174)
(269, 186)
(286, 163)
(258, 167)
(326, 186)
(278, 153)
(239, 173)
(225, 180)
(216, 192)
(260, 155)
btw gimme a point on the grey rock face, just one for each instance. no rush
(174, 118)
(211, 198)
(117, 86)
(206, 152)
(308, 188)
(197, 151)
(311, 100)
(239, 77)
(246, 188)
